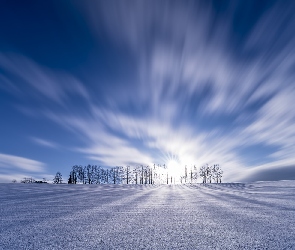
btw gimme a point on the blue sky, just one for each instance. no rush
(142, 82)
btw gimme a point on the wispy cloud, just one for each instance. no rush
(40, 81)
(16, 167)
(45, 143)
(20, 163)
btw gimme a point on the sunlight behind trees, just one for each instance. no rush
(172, 173)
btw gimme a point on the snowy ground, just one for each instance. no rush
(257, 215)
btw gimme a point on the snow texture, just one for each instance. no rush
(258, 215)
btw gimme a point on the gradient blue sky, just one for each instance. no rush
(141, 82)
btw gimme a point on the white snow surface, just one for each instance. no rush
(259, 215)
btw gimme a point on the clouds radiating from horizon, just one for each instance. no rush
(142, 82)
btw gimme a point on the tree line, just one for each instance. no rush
(92, 174)
(30, 180)
(156, 174)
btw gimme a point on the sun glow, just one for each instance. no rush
(174, 170)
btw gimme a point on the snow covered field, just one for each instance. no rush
(257, 215)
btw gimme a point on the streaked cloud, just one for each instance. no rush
(199, 91)
(186, 57)
(38, 81)
(13, 163)
(45, 143)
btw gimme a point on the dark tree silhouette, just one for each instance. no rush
(70, 181)
(27, 180)
(58, 178)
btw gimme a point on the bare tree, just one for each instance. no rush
(58, 178)
(136, 174)
(217, 173)
(88, 174)
(142, 174)
(195, 174)
(146, 172)
(127, 175)
(116, 174)
(203, 172)
(209, 173)
(97, 175)
(79, 171)
(70, 180)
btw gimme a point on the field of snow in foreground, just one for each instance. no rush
(257, 215)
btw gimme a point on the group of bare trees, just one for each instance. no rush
(156, 174)
(26, 180)
(30, 180)
(92, 174)
(211, 173)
